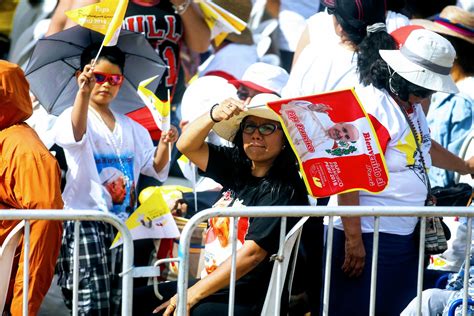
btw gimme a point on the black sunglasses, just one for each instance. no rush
(264, 129)
(423, 93)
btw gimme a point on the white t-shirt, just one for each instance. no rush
(319, 70)
(406, 185)
(292, 21)
(104, 166)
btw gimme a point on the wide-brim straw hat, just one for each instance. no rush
(426, 60)
(241, 9)
(452, 21)
(257, 107)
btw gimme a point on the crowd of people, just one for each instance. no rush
(410, 66)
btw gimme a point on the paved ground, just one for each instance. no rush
(53, 302)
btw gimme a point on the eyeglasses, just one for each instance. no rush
(264, 129)
(112, 79)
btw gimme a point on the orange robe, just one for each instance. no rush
(29, 179)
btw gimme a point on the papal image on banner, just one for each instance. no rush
(335, 143)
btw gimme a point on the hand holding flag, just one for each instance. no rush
(335, 142)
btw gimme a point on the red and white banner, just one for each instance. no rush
(334, 141)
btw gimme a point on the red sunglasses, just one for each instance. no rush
(112, 79)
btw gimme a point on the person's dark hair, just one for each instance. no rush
(404, 88)
(113, 54)
(372, 69)
(355, 33)
(395, 5)
(355, 16)
(279, 177)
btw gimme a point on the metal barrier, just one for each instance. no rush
(77, 215)
(297, 211)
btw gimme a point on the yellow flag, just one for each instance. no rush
(104, 17)
(160, 110)
(220, 21)
(113, 31)
(152, 219)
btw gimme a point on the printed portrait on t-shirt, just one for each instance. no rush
(218, 240)
(116, 177)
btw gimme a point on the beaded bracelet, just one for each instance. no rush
(181, 8)
(210, 113)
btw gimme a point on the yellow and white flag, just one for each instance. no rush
(151, 220)
(220, 21)
(160, 110)
(105, 17)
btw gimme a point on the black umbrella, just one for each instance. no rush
(55, 59)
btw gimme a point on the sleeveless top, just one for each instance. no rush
(164, 31)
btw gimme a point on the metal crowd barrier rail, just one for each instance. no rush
(297, 211)
(77, 215)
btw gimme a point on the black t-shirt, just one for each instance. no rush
(253, 191)
(164, 31)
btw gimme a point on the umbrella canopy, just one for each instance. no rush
(55, 59)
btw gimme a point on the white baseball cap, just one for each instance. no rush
(264, 78)
(202, 94)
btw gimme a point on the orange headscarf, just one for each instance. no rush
(15, 102)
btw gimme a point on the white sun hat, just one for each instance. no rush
(425, 59)
(257, 107)
(202, 94)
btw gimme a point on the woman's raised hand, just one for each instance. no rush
(228, 108)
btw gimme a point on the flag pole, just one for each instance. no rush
(170, 146)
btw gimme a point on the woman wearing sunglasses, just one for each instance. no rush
(102, 148)
(260, 169)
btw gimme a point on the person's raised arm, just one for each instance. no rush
(248, 257)
(197, 35)
(59, 20)
(444, 159)
(192, 142)
(86, 82)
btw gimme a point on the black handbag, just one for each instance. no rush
(456, 195)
